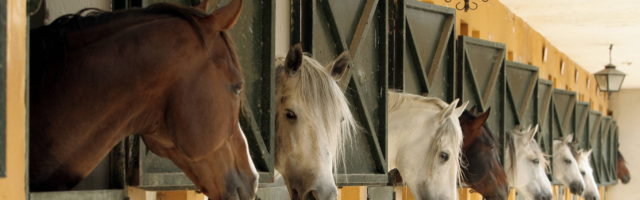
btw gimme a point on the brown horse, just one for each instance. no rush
(483, 173)
(622, 170)
(165, 72)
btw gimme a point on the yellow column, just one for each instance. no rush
(13, 186)
(353, 193)
(512, 194)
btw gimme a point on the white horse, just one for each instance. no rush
(591, 189)
(525, 165)
(565, 167)
(424, 144)
(313, 121)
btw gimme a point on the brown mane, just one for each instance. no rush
(90, 17)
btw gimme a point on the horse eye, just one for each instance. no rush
(237, 88)
(582, 172)
(535, 161)
(291, 115)
(567, 161)
(444, 156)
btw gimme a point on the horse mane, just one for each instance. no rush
(91, 17)
(326, 102)
(396, 99)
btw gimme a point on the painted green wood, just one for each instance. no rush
(521, 93)
(595, 123)
(424, 50)
(545, 116)
(482, 80)
(80, 195)
(581, 137)
(253, 36)
(564, 103)
(613, 153)
(562, 118)
(380, 193)
(602, 149)
(3, 86)
(328, 27)
(608, 152)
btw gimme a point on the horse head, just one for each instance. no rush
(313, 123)
(622, 170)
(203, 136)
(565, 167)
(483, 172)
(591, 189)
(425, 142)
(526, 164)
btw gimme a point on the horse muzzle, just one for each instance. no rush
(590, 196)
(576, 188)
(316, 193)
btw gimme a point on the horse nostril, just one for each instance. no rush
(294, 194)
(311, 195)
(543, 197)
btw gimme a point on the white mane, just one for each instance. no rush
(324, 101)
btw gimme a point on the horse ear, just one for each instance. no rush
(294, 59)
(532, 132)
(446, 112)
(587, 153)
(568, 139)
(203, 6)
(339, 66)
(225, 17)
(458, 111)
(482, 118)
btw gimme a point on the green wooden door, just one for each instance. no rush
(595, 123)
(521, 93)
(581, 137)
(602, 149)
(328, 27)
(423, 49)
(608, 151)
(253, 36)
(482, 80)
(563, 117)
(545, 119)
(564, 103)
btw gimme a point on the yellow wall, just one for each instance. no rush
(494, 22)
(12, 187)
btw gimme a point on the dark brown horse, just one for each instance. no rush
(622, 170)
(483, 172)
(165, 72)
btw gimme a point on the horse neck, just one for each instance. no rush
(83, 37)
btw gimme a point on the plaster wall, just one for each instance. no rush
(625, 110)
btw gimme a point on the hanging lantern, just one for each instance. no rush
(609, 79)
